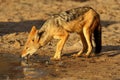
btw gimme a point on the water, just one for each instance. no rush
(13, 68)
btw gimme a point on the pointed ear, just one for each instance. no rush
(36, 37)
(33, 31)
(40, 33)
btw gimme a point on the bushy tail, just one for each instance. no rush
(97, 39)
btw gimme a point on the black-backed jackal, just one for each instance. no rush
(83, 20)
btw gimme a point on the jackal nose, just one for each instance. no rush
(23, 57)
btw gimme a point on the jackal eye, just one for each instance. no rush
(33, 40)
(26, 47)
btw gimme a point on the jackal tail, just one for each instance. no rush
(97, 38)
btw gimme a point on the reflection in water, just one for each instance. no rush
(32, 70)
(10, 68)
(14, 68)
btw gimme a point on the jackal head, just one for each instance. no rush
(32, 43)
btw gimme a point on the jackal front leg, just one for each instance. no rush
(60, 44)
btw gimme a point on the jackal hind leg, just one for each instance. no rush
(63, 37)
(84, 44)
(88, 36)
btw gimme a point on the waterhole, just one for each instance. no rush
(13, 68)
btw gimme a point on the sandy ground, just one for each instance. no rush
(18, 16)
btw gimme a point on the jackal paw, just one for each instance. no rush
(85, 55)
(76, 55)
(92, 55)
(55, 59)
(88, 56)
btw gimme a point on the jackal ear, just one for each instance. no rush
(33, 31)
(38, 35)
